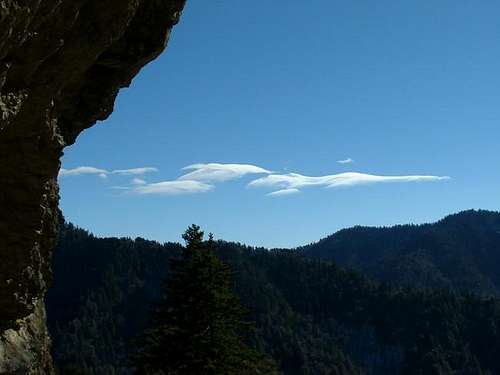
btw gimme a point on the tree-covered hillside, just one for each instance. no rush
(461, 252)
(99, 298)
(311, 317)
(101, 295)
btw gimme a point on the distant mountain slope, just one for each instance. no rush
(99, 299)
(311, 316)
(461, 251)
(103, 288)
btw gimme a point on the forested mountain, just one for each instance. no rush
(198, 324)
(311, 317)
(461, 252)
(101, 295)
(99, 299)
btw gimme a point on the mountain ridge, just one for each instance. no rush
(311, 315)
(460, 251)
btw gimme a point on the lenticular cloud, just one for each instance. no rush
(216, 172)
(104, 172)
(203, 177)
(293, 182)
(174, 188)
(81, 171)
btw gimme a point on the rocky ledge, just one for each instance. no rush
(62, 63)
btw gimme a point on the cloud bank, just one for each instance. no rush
(345, 161)
(203, 177)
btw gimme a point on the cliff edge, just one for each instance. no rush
(62, 63)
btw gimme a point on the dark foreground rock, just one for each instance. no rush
(62, 63)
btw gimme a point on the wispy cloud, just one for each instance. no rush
(297, 181)
(81, 171)
(120, 187)
(200, 179)
(175, 187)
(282, 192)
(138, 181)
(203, 177)
(134, 171)
(216, 172)
(103, 173)
(345, 161)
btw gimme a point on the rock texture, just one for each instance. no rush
(62, 63)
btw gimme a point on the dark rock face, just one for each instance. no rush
(62, 63)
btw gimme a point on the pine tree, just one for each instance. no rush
(197, 324)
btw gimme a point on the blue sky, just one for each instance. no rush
(401, 88)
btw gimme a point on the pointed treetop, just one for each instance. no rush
(193, 235)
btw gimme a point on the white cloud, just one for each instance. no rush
(282, 192)
(134, 171)
(345, 161)
(198, 180)
(119, 188)
(216, 172)
(81, 171)
(297, 181)
(202, 178)
(103, 173)
(174, 187)
(138, 181)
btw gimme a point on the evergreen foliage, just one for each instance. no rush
(311, 316)
(460, 252)
(197, 324)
